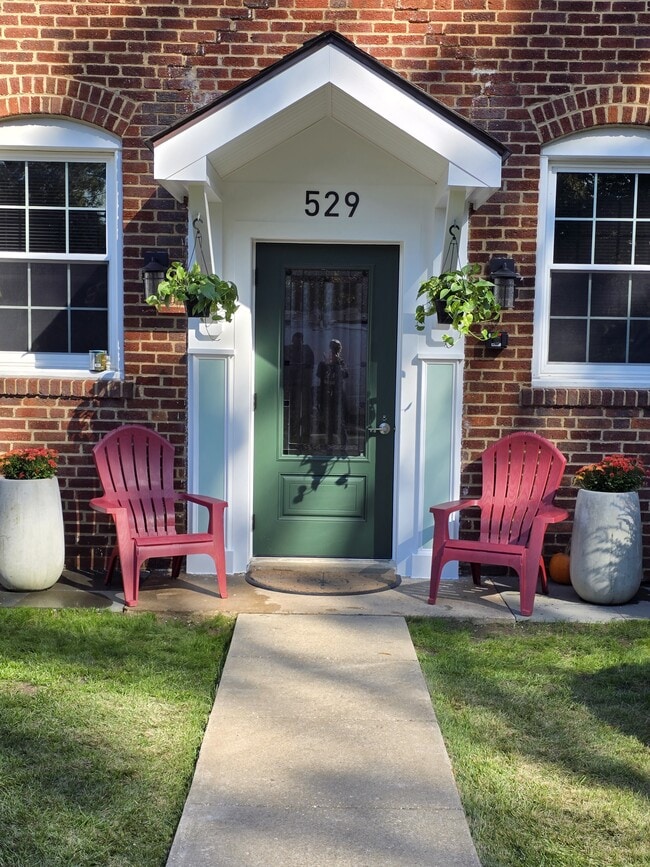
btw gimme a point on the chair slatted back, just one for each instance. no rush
(521, 473)
(136, 469)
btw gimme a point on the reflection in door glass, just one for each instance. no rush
(325, 362)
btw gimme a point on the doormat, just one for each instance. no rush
(311, 580)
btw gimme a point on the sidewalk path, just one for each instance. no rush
(322, 749)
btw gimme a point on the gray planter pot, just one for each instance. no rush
(606, 552)
(32, 546)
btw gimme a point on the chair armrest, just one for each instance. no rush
(551, 515)
(452, 506)
(546, 515)
(215, 507)
(441, 514)
(106, 506)
(203, 500)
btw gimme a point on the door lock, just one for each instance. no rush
(383, 428)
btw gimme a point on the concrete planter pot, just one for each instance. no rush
(606, 558)
(32, 545)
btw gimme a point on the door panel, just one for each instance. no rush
(325, 341)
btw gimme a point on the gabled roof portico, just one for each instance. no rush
(328, 77)
(263, 165)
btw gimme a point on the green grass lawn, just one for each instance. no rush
(548, 730)
(101, 718)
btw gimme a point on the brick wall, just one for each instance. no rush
(525, 71)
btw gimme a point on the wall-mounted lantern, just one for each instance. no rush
(156, 263)
(504, 275)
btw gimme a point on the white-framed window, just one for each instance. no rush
(60, 247)
(592, 304)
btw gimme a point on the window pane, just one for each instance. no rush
(600, 317)
(89, 286)
(640, 342)
(46, 184)
(640, 295)
(89, 330)
(13, 330)
(615, 197)
(567, 340)
(613, 243)
(609, 294)
(643, 197)
(87, 232)
(325, 362)
(12, 182)
(572, 242)
(574, 195)
(642, 245)
(13, 284)
(53, 207)
(49, 331)
(47, 231)
(607, 341)
(12, 230)
(49, 284)
(569, 294)
(87, 185)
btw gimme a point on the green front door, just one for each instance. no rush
(325, 356)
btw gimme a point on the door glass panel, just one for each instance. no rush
(325, 362)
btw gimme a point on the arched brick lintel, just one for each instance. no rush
(44, 95)
(595, 106)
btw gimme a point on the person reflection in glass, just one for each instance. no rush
(298, 383)
(332, 373)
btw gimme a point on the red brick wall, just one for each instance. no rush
(525, 71)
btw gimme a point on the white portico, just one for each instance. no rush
(327, 147)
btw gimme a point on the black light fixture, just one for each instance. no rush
(503, 274)
(156, 263)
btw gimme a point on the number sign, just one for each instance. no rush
(329, 204)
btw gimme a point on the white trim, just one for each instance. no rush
(421, 563)
(202, 564)
(603, 144)
(55, 134)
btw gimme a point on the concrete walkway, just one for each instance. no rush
(322, 749)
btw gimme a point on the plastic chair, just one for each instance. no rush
(521, 475)
(136, 469)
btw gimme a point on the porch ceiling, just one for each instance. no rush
(328, 77)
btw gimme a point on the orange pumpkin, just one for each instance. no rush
(559, 568)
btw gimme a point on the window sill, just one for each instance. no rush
(67, 389)
(605, 397)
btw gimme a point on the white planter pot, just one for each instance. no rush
(606, 552)
(32, 546)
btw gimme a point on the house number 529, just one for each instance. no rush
(330, 203)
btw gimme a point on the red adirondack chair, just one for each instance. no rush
(136, 469)
(521, 475)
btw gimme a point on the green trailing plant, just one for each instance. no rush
(204, 295)
(465, 297)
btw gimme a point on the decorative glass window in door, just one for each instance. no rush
(600, 273)
(325, 362)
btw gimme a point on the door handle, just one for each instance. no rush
(383, 428)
